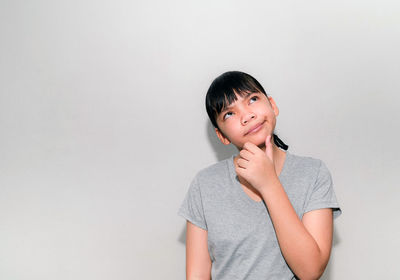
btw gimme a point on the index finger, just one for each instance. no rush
(251, 147)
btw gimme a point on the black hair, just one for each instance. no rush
(222, 92)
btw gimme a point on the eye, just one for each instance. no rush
(253, 98)
(227, 115)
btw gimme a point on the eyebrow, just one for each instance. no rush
(230, 106)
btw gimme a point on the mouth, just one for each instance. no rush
(255, 128)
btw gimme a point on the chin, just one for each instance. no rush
(259, 139)
(258, 143)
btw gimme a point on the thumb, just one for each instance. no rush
(268, 148)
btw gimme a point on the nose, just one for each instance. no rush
(247, 117)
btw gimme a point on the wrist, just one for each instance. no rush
(269, 186)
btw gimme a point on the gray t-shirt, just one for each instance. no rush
(241, 239)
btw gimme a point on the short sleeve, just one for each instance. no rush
(322, 193)
(192, 206)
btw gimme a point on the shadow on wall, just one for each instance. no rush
(224, 151)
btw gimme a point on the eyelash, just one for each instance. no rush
(255, 96)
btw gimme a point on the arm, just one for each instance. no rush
(305, 244)
(198, 262)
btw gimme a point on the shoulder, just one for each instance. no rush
(214, 179)
(214, 171)
(307, 165)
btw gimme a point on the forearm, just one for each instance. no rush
(298, 247)
(198, 278)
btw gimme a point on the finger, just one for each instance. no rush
(268, 141)
(240, 171)
(242, 163)
(268, 147)
(251, 147)
(245, 154)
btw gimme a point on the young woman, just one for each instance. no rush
(261, 214)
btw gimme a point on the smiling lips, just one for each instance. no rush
(255, 128)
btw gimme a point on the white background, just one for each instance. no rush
(103, 125)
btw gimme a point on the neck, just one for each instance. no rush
(275, 149)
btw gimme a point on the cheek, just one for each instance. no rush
(233, 130)
(270, 114)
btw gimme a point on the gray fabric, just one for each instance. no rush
(241, 238)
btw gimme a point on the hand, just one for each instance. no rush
(256, 166)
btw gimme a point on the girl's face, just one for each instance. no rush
(249, 119)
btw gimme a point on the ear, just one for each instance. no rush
(273, 105)
(222, 137)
